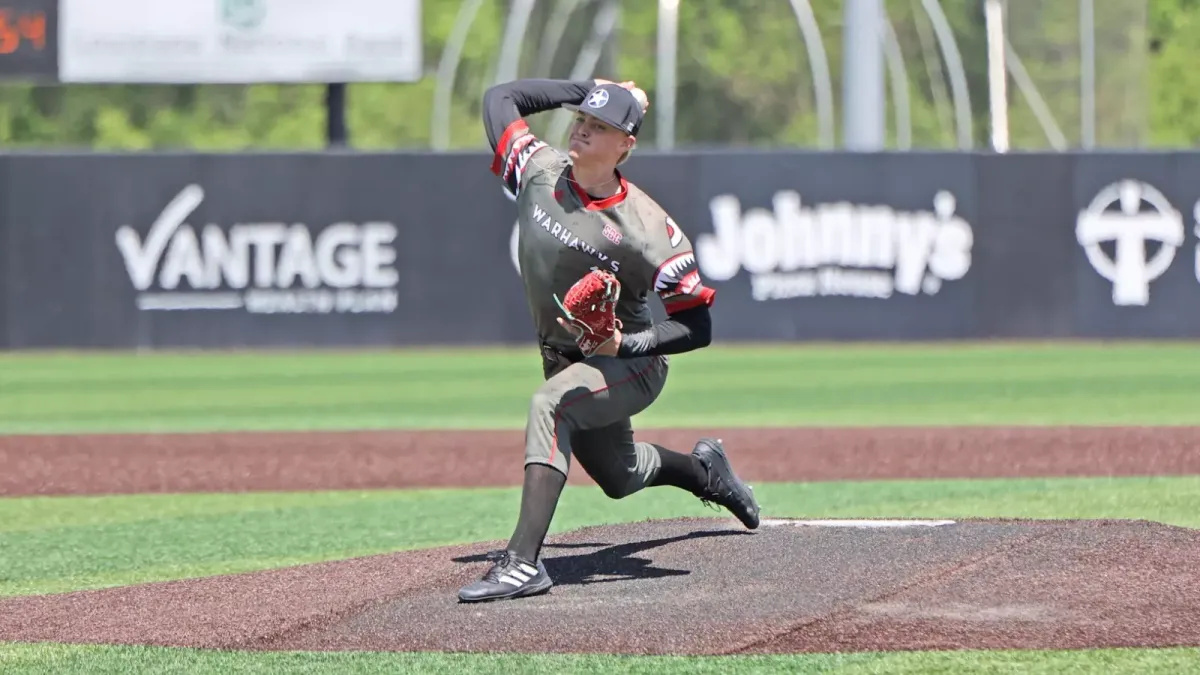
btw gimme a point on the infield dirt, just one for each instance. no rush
(223, 462)
(682, 586)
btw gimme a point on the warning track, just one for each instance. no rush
(632, 589)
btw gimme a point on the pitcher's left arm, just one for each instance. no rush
(683, 331)
(676, 280)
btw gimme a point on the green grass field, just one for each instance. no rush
(826, 385)
(58, 544)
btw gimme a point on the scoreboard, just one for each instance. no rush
(199, 41)
(28, 39)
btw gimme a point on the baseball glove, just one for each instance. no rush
(590, 309)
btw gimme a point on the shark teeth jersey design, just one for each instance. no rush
(518, 158)
(672, 273)
(512, 157)
(677, 283)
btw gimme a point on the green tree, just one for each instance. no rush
(744, 78)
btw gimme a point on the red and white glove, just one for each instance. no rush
(590, 309)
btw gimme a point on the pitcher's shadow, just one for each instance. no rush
(615, 563)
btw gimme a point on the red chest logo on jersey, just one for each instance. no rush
(611, 233)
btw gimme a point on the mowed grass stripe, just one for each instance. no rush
(68, 543)
(721, 386)
(40, 658)
(1168, 401)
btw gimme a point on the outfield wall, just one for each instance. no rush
(195, 250)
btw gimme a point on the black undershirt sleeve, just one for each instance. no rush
(506, 103)
(681, 332)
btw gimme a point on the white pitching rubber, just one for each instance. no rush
(857, 523)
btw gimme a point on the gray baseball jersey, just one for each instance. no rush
(563, 233)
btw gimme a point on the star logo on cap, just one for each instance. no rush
(598, 99)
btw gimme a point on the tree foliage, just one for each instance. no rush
(745, 77)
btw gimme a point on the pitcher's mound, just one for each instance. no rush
(691, 586)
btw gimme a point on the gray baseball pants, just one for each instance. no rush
(583, 411)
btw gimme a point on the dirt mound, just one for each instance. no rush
(133, 463)
(789, 586)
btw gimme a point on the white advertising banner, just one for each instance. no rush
(239, 41)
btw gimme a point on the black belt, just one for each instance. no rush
(555, 359)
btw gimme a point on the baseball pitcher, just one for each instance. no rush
(592, 248)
